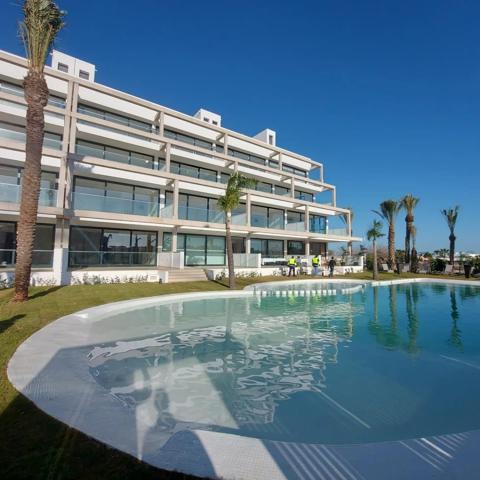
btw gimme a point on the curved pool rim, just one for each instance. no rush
(223, 455)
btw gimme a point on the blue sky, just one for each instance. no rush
(385, 93)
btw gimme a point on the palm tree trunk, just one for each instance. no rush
(407, 240)
(391, 245)
(36, 95)
(452, 239)
(231, 267)
(375, 265)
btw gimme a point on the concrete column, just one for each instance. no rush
(161, 123)
(292, 187)
(68, 183)
(334, 196)
(60, 252)
(307, 246)
(248, 243)
(280, 161)
(307, 218)
(225, 144)
(73, 120)
(175, 198)
(174, 239)
(168, 147)
(249, 210)
(285, 249)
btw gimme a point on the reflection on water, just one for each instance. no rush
(307, 368)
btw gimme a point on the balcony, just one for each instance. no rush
(295, 227)
(50, 140)
(200, 214)
(10, 193)
(99, 203)
(339, 232)
(111, 257)
(40, 258)
(263, 221)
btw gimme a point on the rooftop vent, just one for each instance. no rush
(209, 117)
(267, 136)
(73, 66)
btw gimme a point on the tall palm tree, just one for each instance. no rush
(451, 215)
(414, 253)
(373, 234)
(41, 24)
(228, 202)
(388, 211)
(409, 202)
(344, 218)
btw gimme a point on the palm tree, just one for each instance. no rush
(344, 218)
(228, 202)
(409, 202)
(388, 211)
(373, 234)
(42, 22)
(414, 253)
(451, 215)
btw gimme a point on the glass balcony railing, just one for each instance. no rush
(239, 218)
(99, 203)
(111, 257)
(263, 221)
(295, 227)
(10, 193)
(40, 258)
(200, 214)
(340, 232)
(49, 141)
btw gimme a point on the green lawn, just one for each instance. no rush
(32, 444)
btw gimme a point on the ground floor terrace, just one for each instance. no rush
(67, 252)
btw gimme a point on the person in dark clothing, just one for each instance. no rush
(331, 265)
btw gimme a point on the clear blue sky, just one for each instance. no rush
(385, 93)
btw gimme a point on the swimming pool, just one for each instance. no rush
(299, 363)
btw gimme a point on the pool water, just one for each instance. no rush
(368, 365)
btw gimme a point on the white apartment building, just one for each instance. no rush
(129, 188)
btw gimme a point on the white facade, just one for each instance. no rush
(126, 182)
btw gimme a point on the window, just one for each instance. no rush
(263, 187)
(194, 172)
(238, 245)
(247, 156)
(265, 217)
(295, 247)
(214, 122)
(83, 74)
(167, 242)
(318, 248)
(103, 196)
(267, 247)
(295, 221)
(281, 190)
(270, 139)
(200, 209)
(318, 223)
(42, 247)
(294, 170)
(114, 117)
(104, 246)
(62, 67)
(198, 142)
(304, 196)
(202, 249)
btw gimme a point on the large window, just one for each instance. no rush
(295, 247)
(294, 170)
(11, 190)
(247, 156)
(200, 209)
(17, 90)
(295, 221)
(318, 224)
(104, 246)
(42, 247)
(181, 137)
(195, 172)
(102, 196)
(202, 249)
(106, 152)
(114, 117)
(265, 217)
(267, 247)
(304, 196)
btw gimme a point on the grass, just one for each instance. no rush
(34, 445)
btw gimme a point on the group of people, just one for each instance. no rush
(293, 263)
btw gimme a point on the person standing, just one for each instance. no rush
(331, 265)
(315, 264)
(292, 264)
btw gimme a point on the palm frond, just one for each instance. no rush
(41, 24)
(451, 215)
(389, 210)
(375, 231)
(409, 202)
(235, 186)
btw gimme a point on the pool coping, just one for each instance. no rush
(220, 455)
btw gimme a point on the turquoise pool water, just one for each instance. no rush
(362, 364)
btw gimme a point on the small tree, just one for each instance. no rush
(372, 235)
(451, 215)
(228, 202)
(388, 211)
(42, 22)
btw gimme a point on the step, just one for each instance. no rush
(186, 275)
